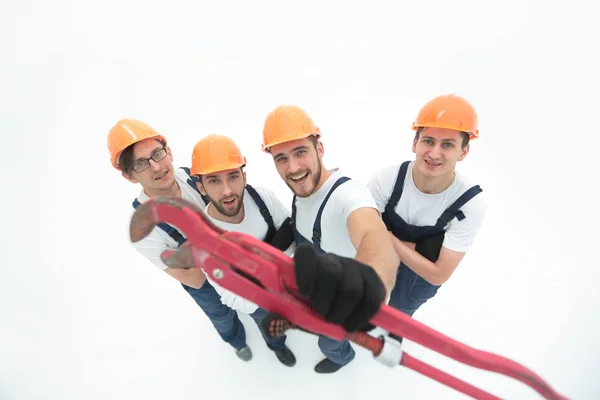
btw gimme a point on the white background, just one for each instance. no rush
(83, 316)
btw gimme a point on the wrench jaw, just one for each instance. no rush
(142, 221)
(170, 210)
(182, 258)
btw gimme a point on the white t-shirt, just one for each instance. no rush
(153, 245)
(421, 209)
(346, 198)
(253, 224)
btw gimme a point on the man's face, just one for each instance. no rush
(299, 164)
(225, 190)
(437, 150)
(151, 174)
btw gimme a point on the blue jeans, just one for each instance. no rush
(340, 353)
(226, 321)
(411, 291)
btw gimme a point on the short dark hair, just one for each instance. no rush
(465, 136)
(126, 160)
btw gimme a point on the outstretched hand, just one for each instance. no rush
(344, 291)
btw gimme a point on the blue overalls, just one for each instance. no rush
(340, 353)
(224, 319)
(411, 291)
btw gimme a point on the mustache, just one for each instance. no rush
(235, 196)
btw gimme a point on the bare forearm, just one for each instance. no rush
(416, 262)
(376, 249)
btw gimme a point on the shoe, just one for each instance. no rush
(286, 357)
(244, 354)
(327, 366)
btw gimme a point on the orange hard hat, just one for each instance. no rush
(286, 123)
(125, 133)
(450, 112)
(216, 153)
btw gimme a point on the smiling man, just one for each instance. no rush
(433, 212)
(235, 205)
(345, 261)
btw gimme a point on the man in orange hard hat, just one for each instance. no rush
(142, 156)
(433, 212)
(235, 205)
(345, 262)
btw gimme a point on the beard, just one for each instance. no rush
(228, 211)
(316, 177)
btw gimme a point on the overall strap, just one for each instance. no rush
(298, 238)
(316, 238)
(264, 211)
(294, 208)
(399, 186)
(317, 226)
(454, 209)
(192, 182)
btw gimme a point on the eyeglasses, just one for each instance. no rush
(144, 164)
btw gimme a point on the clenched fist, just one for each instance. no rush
(344, 291)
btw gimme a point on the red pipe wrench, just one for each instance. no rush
(264, 275)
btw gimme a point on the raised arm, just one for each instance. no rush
(374, 245)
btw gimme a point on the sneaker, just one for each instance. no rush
(327, 366)
(286, 357)
(244, 354)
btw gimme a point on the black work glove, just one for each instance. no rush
(344, 291)
(284, 237)
(430, 246)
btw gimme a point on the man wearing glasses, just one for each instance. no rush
(142, 156)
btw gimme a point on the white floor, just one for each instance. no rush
(83, 316)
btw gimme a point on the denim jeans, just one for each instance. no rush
(224, 319)
(340, 353)
(411, 291)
